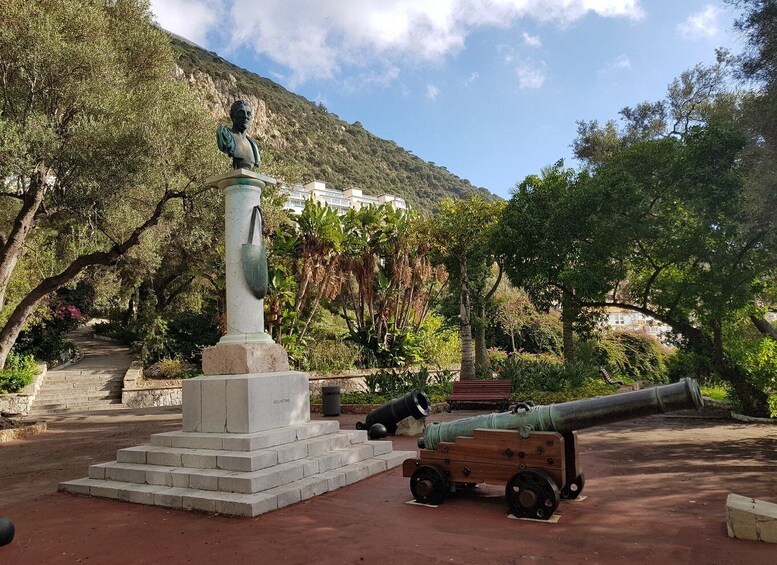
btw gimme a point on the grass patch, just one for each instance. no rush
(718, 393)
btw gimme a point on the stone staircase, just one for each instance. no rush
(94, 382)
(78, 390)
(239, 474)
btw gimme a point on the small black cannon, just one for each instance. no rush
(532, 449)
(415, 403)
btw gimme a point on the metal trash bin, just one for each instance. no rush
(330, 397)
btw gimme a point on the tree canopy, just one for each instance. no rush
(96, 137)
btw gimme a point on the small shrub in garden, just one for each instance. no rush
(331, 355)
(19, 371)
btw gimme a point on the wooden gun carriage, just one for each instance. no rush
(532, 450)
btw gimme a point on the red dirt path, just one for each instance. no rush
(656, 491)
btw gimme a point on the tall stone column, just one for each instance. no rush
(246, 347)
(245, 314)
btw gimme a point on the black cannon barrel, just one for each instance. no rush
(576, 415)
(415, 403)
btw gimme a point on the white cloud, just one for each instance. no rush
(432, 92)
(472, 78)
(702, 25)
(192, 19)
(529, 76)
(620, 63)
(531, 40)
(318, 40)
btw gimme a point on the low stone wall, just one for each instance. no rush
(20, 403)
(25, 430)
(367, 408)
(348, 381)
(138, 392)
(144, 393)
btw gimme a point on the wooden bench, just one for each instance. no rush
(494, 392)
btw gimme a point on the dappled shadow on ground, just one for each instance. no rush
(655, 490)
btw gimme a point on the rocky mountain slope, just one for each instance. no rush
(301, 141)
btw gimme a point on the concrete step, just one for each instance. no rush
(295, 487)
(240, 460)
(40, 410)
(273, 473)
(73, 376)
(89, 385)
(252, 441)
(77, 395)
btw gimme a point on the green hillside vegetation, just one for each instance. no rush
(305, 142)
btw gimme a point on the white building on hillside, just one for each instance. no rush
(621, 319)
(339, 200)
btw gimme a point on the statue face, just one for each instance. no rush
(241, 118)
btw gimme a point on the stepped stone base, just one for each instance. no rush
(239, 474)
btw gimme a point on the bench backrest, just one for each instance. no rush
(495, 387)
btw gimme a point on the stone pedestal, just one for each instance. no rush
(243, 358)
(245, 403)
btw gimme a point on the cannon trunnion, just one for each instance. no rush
(531, 450)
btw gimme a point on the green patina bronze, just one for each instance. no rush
(235, 142)
(571, 416)
(254, 257)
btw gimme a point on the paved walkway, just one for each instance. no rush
(92, 383)
(656, 490)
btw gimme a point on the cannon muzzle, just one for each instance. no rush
(576, 415)
(415, 403)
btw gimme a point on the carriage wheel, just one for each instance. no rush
(429, 485)
(532, 494)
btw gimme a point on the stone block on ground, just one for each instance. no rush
(410, 426)
(751, 519)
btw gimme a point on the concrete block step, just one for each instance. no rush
(53, 377)
(233, 503)
(252, 441)
(75, 407)
(238, 460)
(273, 474)
(77, 394)
(90, 386)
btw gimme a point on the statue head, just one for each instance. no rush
(240, 113)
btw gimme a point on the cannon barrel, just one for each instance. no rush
(576, 415)
(415, 403)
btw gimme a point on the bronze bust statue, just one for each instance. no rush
(235, 142)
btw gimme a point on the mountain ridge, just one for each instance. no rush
(301, 141)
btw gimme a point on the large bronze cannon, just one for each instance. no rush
(531, 449)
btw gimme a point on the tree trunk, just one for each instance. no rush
(467, 353)
(13, 245)
(764, 327)
(512, 340)
(13, 326)
(754, 402)
(481, 352)
(568, 316)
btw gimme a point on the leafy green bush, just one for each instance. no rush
(19, 371)
(394, 383)
(188, 333)
(682, 363)
(588, 389)
(545, 372)
(330, 355)
(634, 355)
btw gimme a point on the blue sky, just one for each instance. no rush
(490, 89)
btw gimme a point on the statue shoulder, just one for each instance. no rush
(255, 148)
(225, 140)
